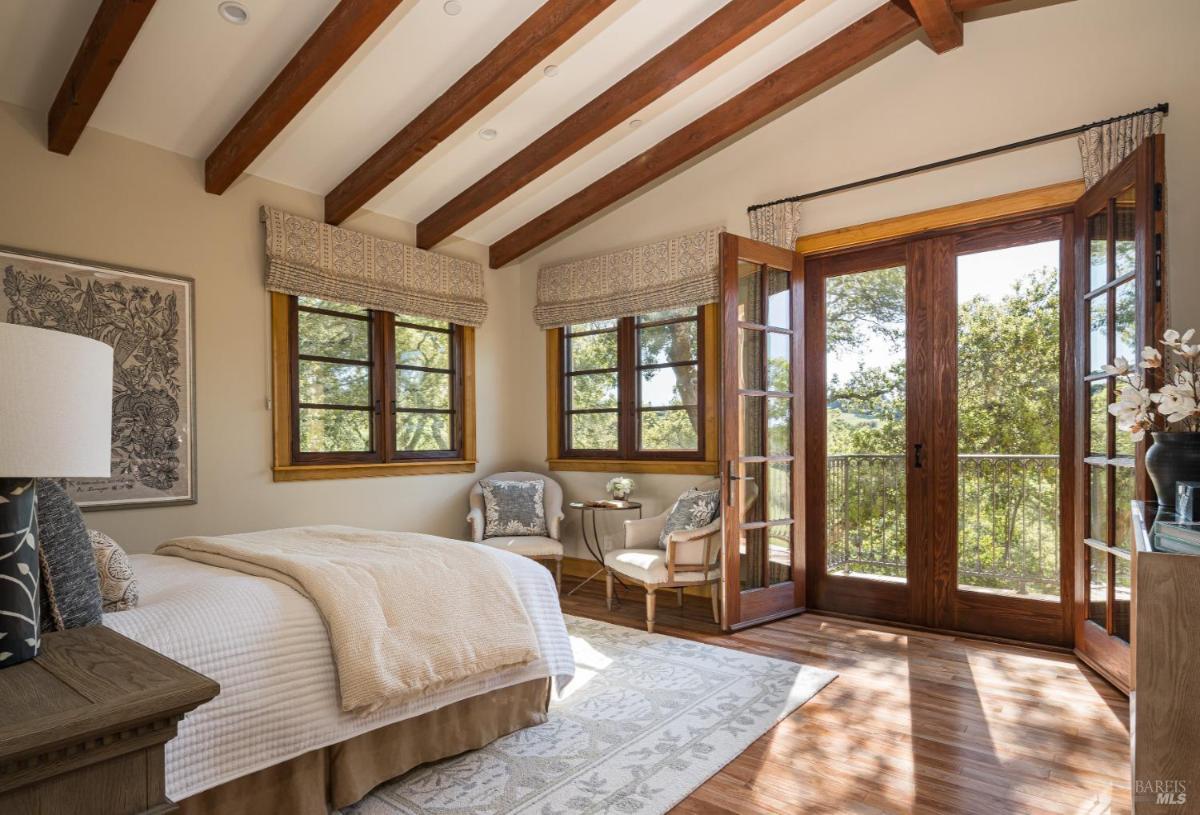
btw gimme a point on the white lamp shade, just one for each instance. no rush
(55, 404)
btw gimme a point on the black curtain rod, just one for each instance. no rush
(1004, 148)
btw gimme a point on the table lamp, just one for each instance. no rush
(55, 421)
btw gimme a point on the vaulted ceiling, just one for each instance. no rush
(505, 122)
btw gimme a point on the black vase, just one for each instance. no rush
(1172, 458)
(19, 625)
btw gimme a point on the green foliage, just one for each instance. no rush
(1008, 391)
(675, 388)
(349, 384)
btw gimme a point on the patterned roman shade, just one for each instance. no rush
(313, 259)
(1103, 147)
(679, 272)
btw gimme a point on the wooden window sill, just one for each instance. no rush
(650, 467)
(317, 472)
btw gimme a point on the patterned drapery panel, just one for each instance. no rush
(313, 259)
(1103, 147)
(777, 224)
(679, 272)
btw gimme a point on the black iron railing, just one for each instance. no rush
(1008, 520)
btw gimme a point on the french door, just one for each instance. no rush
(1119, 308)
(763, 439)
(938, 470)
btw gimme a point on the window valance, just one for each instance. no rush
(313, 259)
(679, 272)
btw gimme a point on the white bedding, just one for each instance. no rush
(267, 647)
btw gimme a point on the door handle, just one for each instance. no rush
(730, 479)
(918, 456)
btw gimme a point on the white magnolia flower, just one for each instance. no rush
(1132, 408)
(1170, 337)
(1151, 357)
(1119, 367)
(1178, 401)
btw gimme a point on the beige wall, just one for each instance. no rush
(117, 201)
(1018, 75)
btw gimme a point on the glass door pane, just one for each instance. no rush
(766, 472)
(1008, 421)
(865, 398)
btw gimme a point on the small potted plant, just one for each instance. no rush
(620, 487)
(1171, 415)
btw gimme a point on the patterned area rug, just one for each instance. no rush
(647, 719)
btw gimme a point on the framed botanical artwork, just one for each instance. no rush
(147, 318)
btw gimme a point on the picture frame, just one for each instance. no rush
(148, 318)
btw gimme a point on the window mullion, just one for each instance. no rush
(383, 374)
(627, 395)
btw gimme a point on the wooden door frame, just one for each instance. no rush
(926, 243)
(743, 609)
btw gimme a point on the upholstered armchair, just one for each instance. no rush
(692, 558)
(531, 546)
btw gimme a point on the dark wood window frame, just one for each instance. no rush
(628, 458)
(293, 464)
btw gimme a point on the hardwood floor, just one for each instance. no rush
(915, 722)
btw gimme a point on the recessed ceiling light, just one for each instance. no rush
(550, 70)
(452, 7)
(232, 12)
(635, 123)
(487, 134)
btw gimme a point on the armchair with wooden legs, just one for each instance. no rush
(692, 558)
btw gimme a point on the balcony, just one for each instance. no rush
(1008, 512)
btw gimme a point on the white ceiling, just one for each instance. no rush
(190, 75)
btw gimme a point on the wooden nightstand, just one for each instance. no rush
(83, 725)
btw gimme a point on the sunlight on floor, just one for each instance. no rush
(588, 663)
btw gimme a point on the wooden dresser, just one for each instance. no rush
(1165, 702)
(83, 725)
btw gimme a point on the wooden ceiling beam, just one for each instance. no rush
(942, 24)
(113, 30)
(853, 44)
(341, 33)
(555, 22)
(717, 35)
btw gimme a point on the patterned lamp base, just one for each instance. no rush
(19, 573)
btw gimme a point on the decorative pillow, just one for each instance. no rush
(70, 583)
(118, 586)
(513, 508)
(692, 510)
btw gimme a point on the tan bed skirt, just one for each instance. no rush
(341, 774)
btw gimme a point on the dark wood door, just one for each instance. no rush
(935, 373)
(1119, 309)
(763, 440)
(863, 493)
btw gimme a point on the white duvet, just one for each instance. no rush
(267, 647)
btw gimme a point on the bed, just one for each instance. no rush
(276, 737)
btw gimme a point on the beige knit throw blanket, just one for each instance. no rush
(406, 613)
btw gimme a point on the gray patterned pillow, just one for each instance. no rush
(513, 508)
(70, 585)
(118, 586)
(692, 510)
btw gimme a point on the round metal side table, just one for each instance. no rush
(594, 546)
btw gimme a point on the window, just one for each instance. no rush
(362, 392)
(633, 391)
